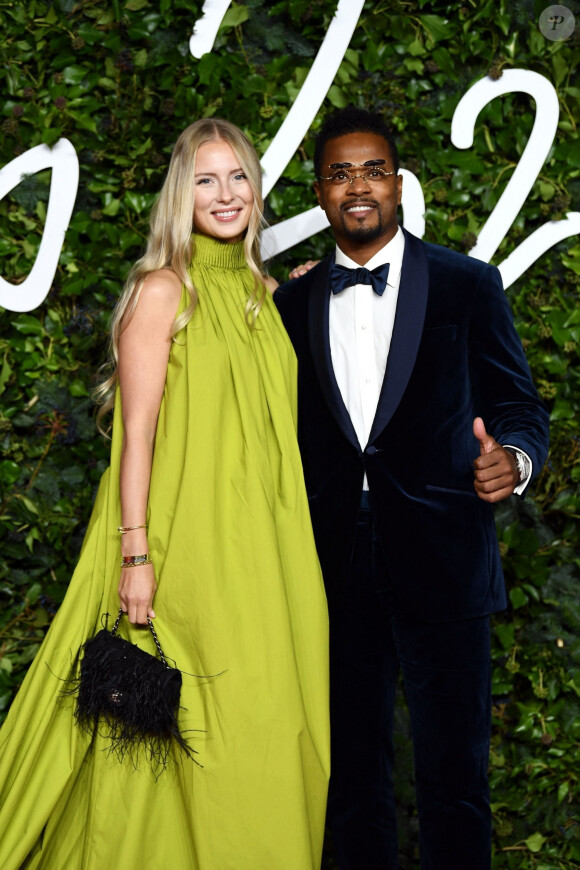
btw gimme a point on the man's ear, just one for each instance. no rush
(318, 192)
(399, 188)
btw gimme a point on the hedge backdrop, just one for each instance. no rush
(117, 79)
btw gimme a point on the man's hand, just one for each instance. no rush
(496, 472)
(297, 271)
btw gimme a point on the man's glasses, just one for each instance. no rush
(370, 175)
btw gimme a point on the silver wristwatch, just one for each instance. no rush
(522, 462)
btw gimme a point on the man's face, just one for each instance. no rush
(362, 214)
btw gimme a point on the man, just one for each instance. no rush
(416, 413)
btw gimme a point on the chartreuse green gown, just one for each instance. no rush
(240, 596)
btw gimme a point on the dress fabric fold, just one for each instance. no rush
(240, 609)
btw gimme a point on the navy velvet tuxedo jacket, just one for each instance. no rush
(455, 355)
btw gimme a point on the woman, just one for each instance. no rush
(205, 480)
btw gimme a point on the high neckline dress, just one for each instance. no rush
(240, 604)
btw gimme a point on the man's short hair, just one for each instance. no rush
(352, 120)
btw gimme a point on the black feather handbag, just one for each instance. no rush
(129, 696)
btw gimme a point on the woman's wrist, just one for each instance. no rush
(134, 542)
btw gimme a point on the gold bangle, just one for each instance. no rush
(124, 529)
(135, 561)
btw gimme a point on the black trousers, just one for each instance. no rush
(446, 670)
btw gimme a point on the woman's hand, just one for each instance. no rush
(136, 590)
(298, 271)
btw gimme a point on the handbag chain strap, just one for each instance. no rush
(151, 629)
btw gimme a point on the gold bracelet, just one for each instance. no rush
(124, 529)
(135, 561)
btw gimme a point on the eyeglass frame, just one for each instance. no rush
(352, 178)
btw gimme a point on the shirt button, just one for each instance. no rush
(367, 380)
(364, 326)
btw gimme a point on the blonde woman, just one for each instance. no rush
(205, 478)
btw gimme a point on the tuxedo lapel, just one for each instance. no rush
(320, 350)
(407, 331)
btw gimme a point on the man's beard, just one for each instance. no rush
(363, 233)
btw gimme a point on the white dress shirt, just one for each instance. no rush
(360, 329)
(360, 326)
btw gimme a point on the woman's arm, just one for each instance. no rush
(144, 347)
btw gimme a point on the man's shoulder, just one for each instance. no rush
(440, 257)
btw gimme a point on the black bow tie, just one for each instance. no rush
(341, 277)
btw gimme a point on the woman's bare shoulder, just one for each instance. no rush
(158, 301)
(161, 286)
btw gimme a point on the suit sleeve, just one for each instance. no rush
(505, 396)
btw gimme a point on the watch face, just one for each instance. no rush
(523, 464)
(526, 466)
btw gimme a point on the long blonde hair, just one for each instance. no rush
(170, 244)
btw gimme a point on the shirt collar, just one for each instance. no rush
(392, 253)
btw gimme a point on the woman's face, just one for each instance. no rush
(223, 196)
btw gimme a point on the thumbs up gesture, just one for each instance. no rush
(496, 472)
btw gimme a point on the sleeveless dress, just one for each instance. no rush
(240, 602)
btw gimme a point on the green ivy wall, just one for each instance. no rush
(117, 79)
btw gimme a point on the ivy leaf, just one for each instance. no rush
(112, 208)
(74, 75)
(572, 260)
(416, 48)
(5, 374)
(235, 16)
(547, 190)
(561, 68)
(414, 64)
(89, 33)
(337, 97)
(29, 325)
(34, 593)
(139, 202)
(505, 634)
(518, 597)
(535, 842)
(85, 122)
(437, 28)
(563, 790)
(30, 506)
(140, 59)
(136, 5)
(77, 388)
(9, 472)
(562, 410)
